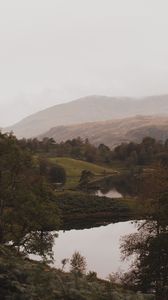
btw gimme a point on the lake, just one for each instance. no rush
(99, 245)
(113, 193)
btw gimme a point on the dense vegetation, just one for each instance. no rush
(85, 209)
(27, 205)
(28, 209)
(32, 204)
(149, 245)
(23, 279)
(129, 154)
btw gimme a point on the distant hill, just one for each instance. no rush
(88, 109)
(114, 132)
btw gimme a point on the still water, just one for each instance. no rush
(113, 193)
(100, 246)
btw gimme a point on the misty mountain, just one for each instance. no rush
(88, 109)
(114, 132)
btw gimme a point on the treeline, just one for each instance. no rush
(75, 148)
(144, 153)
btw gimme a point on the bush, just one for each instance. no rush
(57, 174)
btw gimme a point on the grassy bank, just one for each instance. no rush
(81, 209)
(23, 279)
(74, 168)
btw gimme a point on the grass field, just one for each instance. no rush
(74, 168)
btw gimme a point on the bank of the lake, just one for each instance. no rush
(24, 279)
(78, 208)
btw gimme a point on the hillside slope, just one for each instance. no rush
(75, 167)
(88, 109)
(114, 132)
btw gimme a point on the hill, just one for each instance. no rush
(88, 109)
(114, 132)
(74, 168)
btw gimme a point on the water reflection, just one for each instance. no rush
(100, 246)
(117, 186)
(113, 193)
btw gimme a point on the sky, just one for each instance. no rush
(54, 51)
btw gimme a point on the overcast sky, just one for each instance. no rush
(58, 50)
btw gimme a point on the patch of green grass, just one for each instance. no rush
(74, 168)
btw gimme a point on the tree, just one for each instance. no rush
(48, 143)
(86, 175)
(150, 244)
(90, 153)
(78, 263)
(57, 174)
(27, 206)
(54, 173)
(78, 267)
(105, 153)
(150, 250)
(132, 159)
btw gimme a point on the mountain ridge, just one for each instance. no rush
(88, 109)
(113, 132)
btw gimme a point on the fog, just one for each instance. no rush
(54, 51)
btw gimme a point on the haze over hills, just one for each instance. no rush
(88, 109)
(113, 132)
